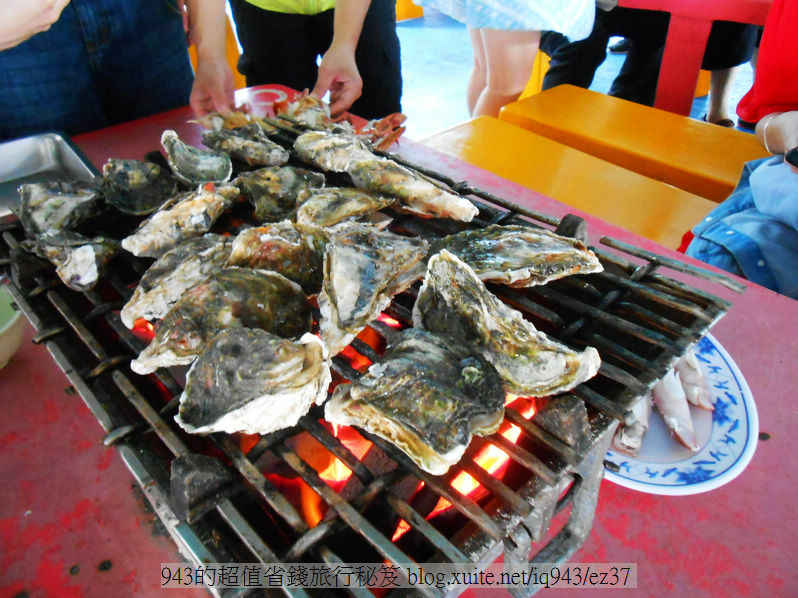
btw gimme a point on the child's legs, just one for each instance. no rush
(478, 79)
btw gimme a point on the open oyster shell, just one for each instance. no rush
(176, 271)
(193, 165)
(232, 298)
(428, 395)
(136, 187)
(251, 381)
(331, 205)
(331, 152)
(276, 191)
(454, 301)
(55, 205)
(247, 143)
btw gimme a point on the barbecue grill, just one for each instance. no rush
(314, 493)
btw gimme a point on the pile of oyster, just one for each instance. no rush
(238, 310)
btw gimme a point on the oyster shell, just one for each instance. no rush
(232, 298)
(519, 256)
(454, 301)
(428, 395)
(248, 143)
(182, 217)
(276, 191)
(295, 252)
(136, 187)
(251, 381)
(416, 194)
(79, 260)
(193, 165)
(176, 271)
(363, 269)
(329, 206)
(55, 205)
(331, 152)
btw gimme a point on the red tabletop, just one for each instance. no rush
(737, 539)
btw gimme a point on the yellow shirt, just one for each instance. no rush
(295, 7)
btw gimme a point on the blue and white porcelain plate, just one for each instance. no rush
(727, 435)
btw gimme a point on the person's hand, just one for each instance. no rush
(213, 89)
(338, 74)
(778, 133)
(21, 19)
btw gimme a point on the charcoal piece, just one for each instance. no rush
(198, 483)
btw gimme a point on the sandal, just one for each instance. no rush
(724, 122)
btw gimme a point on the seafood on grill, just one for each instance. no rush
(295, 251)
(182, 217)
(428, 395)
(671, 402)
(693, 381)
(519, 256)
(332, 205)
(330, 151)
(629, 435)
(231, 298)
(55, 205)
(248, 144)
(176, 271)
(192, 165)
(305, 109)
(276, 191)
(454, 301)
(232, 120)
(363, 269)
(249, 380)
(79, 261)
(136, 187)
(415, 194)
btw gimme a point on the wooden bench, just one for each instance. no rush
(698, 157)
(627, 199)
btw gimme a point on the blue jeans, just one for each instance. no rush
(103, 62)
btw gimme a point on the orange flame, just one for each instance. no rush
(143, 330)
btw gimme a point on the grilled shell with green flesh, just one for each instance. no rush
(192, 165)
(251, 381)
(330, 151)
(232, 298)
(454, 301)
(519, 256)
(136, 187)
(276, 191)
(428, 395)
(332, 205)
(55, 206)
(247, 143)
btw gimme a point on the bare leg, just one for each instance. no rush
(720, 83)
(478, 79)
(509, 58)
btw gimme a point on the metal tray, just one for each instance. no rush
(39, 158)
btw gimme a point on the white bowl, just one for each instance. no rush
(12, 327)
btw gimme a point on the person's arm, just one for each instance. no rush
(213, 82)
(338, 72)
(21, 19)
(778, 133)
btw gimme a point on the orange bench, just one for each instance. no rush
(627, 199)
(698, 157)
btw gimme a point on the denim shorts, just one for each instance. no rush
(103, 62)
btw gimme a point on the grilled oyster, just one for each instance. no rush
(182, 217)
(416, 194)
(176, 271)
(232, 298)
(249, 380)
(428, 395)
(277, 191)
(519, 256)
(78, 259)
(331, 152)
(55, 205)
(363, 269)
(329, 206)
(454, 301)
(193, 165)
(248, 143)
(295, 252)
(136, 187)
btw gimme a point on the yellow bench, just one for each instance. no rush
(627, 199)
(698, 157)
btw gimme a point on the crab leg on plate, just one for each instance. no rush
(693, 381)
(671, 402)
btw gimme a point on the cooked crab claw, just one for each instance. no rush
(629, 437)
(693, 381)
(671, 402)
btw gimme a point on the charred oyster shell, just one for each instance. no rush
(136, 187)
(251, 381)
(55, 205)
(79, 261)
(232, 298)
(276, 191)
(428, 395)
(176, 271)
(331, 152)
(248, 143)
(329, 206)
(193, 165)
(519, 256)
(454, 301)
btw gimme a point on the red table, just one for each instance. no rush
(688, 31)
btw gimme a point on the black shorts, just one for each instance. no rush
(729, 44)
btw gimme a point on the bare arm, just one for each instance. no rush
(21, 19)
(778, 132)
(213, 83)
(338, 72)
